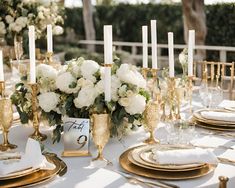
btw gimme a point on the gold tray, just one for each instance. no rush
(35, 177)
(155, 174)
(197, 115)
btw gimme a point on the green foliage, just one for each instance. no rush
(128, 19)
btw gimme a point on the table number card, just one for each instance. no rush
(76, 137)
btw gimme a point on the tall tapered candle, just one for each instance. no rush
(154, 43)
(49, 39)
(171, 54)
(108, 60)
(191, 46)
(1, 67)
(145, 46)
(32, 54)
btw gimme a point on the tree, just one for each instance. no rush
(195, 18)
(88, 23)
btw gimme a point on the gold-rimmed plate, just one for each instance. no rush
(199, 117)
(167, 175)
(143, 157)
(35, 177)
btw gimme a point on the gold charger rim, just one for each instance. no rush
(154, 166)
(165, 175)
(197, 115)
(213, 127)
(36, 177)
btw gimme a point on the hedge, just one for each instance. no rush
(128, 19)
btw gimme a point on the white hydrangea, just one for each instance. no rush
(46, 71)
(86, 97)
(48, 101)
(2, 28)
(129, 74)
(136, 104)
(88, 68)
(58, 30)
(64, 80)
(9, 19)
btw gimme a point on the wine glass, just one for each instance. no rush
(6, 118)
(101, 134)
(152, 117)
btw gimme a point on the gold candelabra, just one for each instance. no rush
(2, 89)
(172, 91)
(190, 91)
(36, 135)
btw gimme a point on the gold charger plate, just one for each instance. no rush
(19, 173)
(35, 177)
(155, 174)
(197, 115)
(213, 127)
(142, 156)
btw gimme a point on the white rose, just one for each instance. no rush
(136, 104)
(183, 58)
(100, 87)
(86, 97)
(58, 30)
(88, 68)
(84, 83)
(48, 101)
(63, 82)
(41, 15)
(21, 21)
(9, 19)
(115, 84)
(17, 28)
(46, 71)
(124, 101)
(129, 74)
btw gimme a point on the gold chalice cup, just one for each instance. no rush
(151, 117)
(101, 134)
(6, 118)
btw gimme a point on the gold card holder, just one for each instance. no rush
(76, 137)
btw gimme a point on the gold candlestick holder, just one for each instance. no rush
(2, 89)
(48, 58)
(145, 72)
(172, 91)
(36, 135)
(190, 91)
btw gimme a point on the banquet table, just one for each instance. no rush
(81, 174)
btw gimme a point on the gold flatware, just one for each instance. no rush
(134, 179)
(226, 161)
(10, 158)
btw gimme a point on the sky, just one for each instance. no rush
(70, 3)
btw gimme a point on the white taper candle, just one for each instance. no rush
(145, 46)
(171, 54)
(191, 46)
(49, 39)
(32, 54)
(108, 60)
(154, 43)
(1, 67)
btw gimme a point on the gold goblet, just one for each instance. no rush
(151, 116)
(6, 118)
(101, 133)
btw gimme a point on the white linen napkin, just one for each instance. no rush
(227, 104)
(221, 116)
(32, 158)
(184, 156)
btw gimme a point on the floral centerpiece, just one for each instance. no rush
(77, 90)
(16, 15)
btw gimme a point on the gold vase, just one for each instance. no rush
(6, 118)
(100, 133)
(151, 116)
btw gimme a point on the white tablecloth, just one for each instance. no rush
(80, 174)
